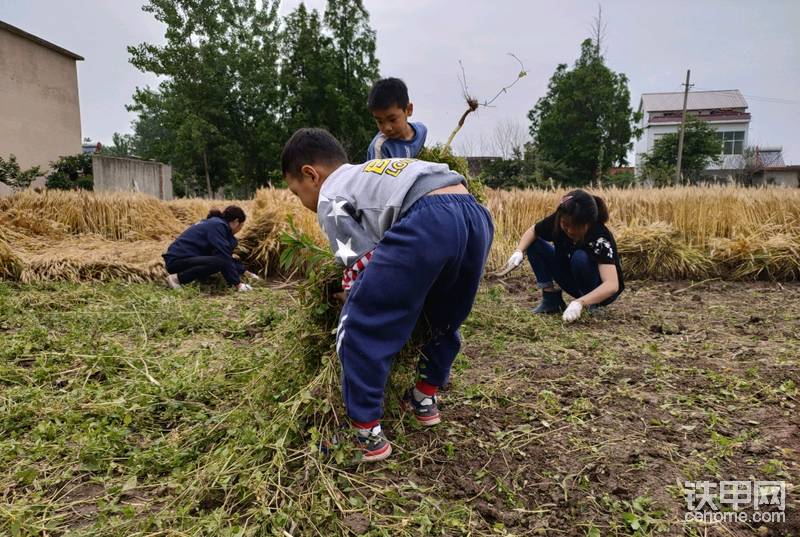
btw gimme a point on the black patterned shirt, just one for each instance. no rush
(598, 242)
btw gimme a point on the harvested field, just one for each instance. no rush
(80, 236)
(663, 234)
(681, 232)
(130, 409)
(127, 408)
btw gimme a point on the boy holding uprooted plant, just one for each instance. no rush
(413, 241)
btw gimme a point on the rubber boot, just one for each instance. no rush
(552, 302)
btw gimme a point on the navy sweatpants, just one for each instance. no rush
(190, 269)
(429, 262)
(580, 276)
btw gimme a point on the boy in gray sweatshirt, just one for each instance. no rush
(412, 241)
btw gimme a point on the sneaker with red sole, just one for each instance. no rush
(374, 446)
(426, 411)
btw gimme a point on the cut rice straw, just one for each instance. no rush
(671, 233)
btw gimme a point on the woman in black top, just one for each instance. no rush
(573, 250)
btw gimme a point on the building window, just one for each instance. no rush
(732, 142)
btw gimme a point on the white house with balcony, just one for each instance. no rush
(725, 110)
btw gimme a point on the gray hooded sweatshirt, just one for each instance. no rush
(358, 203)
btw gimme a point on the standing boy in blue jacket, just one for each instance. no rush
(413, 242)
(389, 105)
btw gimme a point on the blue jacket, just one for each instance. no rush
(210, 237)
(390, 148)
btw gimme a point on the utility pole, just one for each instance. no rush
(683, 125)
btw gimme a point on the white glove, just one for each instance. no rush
(573, 311)
(253, 276)
(515, 259)
(244, 287)
(513, 262)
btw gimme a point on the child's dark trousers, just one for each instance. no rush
(578, 276)
(429, 262)
(201, 267)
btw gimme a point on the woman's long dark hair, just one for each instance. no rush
(581, 208)
(231, 213)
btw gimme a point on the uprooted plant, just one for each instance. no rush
(473, 103)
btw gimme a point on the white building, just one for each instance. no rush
(725, 110)
(770, 169)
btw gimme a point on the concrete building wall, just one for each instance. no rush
(654, 131)
(115, 174)
(787, 178)
(40, 116)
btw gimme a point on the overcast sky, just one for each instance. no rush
(728, 44)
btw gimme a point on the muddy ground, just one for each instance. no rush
(556, 429)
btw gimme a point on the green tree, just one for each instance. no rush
(236, 82)
(328, 68)
(504, 173)
(12, 174)
(354, 68)
(584, 125)
(255, 97)
(215, 110)
(122, 146)
(522, 170)
(701, 147)
(153, 139)
(624, 179)
(307, 84)
(71, 172)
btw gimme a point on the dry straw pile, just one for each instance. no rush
(126, 217)
(268, 219)
(81, 236)
(697, 232)
(10, 263)
(673, 233)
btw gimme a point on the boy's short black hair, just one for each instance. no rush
(311, 146)
(386, 93)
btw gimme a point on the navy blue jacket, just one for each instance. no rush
(393, 148)
(210, 237)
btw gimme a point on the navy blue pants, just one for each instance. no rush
(201, 267)
(429, 262)
(577, 276)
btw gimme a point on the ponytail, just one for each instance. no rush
(582, 208)
(602, 210)
(231, 213)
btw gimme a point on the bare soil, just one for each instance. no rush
(557, 429)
